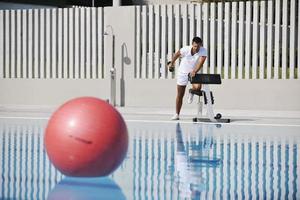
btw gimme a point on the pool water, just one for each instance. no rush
(164, 161)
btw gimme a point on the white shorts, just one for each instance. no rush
(183, 79)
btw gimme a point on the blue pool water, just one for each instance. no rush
(164, 161)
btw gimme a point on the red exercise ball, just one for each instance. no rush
(86, 137)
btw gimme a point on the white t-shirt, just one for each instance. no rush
(189, 61)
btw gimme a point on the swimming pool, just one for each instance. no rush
(165, 160)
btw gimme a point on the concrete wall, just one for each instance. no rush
(232, 94)
(31, 92)
(124, 33)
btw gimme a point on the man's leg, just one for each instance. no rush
(196, 87)
(180, 94)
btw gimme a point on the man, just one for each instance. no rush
(192, 60)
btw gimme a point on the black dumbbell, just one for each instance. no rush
(218, 116)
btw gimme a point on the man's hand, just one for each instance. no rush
(171, 66)
(192, 73)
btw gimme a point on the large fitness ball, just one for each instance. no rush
(86, 137)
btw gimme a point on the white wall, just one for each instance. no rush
(49, 92)
(232, 94)
(120, 21)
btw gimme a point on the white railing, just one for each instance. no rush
(242, 38)
(245, 40)
(51, 43)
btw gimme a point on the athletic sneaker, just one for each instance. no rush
(190, 97)
(175, 117)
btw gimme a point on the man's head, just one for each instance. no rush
(196, 44)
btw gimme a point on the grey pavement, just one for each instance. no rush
(259, 117)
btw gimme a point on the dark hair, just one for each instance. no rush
(197, 40)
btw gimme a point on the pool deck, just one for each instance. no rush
(256, 117)
(236, 116)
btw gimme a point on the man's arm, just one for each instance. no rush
(174, 58)
(199, 65)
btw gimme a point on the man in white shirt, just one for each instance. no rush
(192, 60)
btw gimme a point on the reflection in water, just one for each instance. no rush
(205, 161)
(86, 188)
(164, 161)
(191, 158)
(25, 169)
